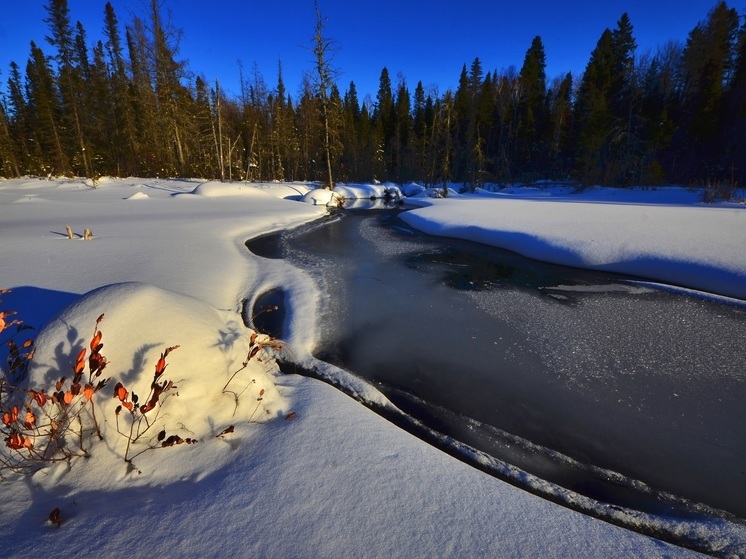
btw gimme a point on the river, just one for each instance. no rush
(557, 370)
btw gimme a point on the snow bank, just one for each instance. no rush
(700, 247)
(322, 197)
(140, 322)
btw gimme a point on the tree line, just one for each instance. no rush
(127, 106)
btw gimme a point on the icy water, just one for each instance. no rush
(505, 353)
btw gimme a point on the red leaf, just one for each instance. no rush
(95, 340)
(120, 392)
(12, 417)
(39, 397)
(80, 362)
(16, 441)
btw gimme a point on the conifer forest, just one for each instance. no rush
(128, 106)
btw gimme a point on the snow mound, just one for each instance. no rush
(214, 189)
(412, 189)
(286, 191)
(140, 322)
(368, 191)
(322, 197)
(138, 196)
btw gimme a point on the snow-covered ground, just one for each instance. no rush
(307, 471)
(663, 234)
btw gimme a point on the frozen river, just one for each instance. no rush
(485, 345)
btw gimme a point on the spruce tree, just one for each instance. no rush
(18, 119)
(124, 140)
(532, 118)
(44, 115)
(70, 65)
(8, 163)
(561, 126)
(402, 129)
(593, 116)
(384, 127)
(709, 62)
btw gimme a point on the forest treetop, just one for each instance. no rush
(129, 106)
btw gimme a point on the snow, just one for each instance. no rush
(651, 234)
(308, 471)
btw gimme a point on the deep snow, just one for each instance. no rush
(168, 266)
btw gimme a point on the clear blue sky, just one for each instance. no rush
(427, 40)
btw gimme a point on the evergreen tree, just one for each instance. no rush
(660, 113)
(709, 63)
(420, 130)
(532, 118)
(560, 126)
(171, 95)
(351, 163)
(142, 100)
(124, 141)
(625, 149)
(593, 116)
(462, 128)
(19, 127)
(8, 163)
(70, 64)
(384, 126)
(735, 148)
(100, 115)
(44, 115)
(401, 166)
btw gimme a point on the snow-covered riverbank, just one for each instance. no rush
(333, 479)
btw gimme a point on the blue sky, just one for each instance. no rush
(421, 40)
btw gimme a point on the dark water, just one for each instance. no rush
(487, 346)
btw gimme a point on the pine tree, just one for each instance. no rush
(625, 149)
(19, 127)
(461, 142)
(171, 95)
(660, 113)
(8, 163)
(532, 118)
(384, 126)
(420, 130)
(560, 126)
(124, 141)
(403, 126)
(100, 115)
(735, 148)
(70, 65)
(709, 63)
(593, 116)
(351, 166)
(142, 102)
(44, 115)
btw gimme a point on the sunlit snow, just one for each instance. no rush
(319, 475)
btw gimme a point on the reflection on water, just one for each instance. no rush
(643, 382)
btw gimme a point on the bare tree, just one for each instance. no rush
(325, 80)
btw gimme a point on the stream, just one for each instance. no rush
(598, 383)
